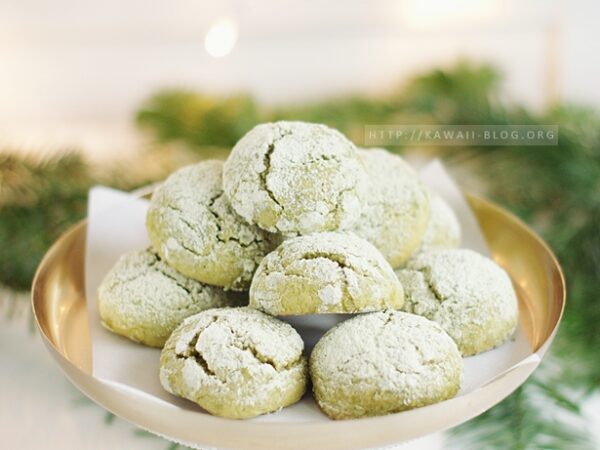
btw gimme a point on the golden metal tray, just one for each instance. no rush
(59, 306)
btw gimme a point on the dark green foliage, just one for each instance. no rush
(38, 200)
(109, 418)
(467, 94)
(538, 415)
(197, 119)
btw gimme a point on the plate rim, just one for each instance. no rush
(90, 386)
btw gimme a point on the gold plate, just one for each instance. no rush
(59, 307)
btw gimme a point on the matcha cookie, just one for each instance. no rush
(192, 226)
(443, 228)
(382, 363)
(396, 209)
(329, 272)
(235, 362)
(295, 178)
(144, 299)
(469, 295)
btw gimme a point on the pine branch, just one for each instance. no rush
(198, 120)
(541, 414)
(38, 200)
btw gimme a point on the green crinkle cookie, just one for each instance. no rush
(192, 226)
(330, 272)
(382, 363)
(443, 229)
(295, 178)
(235, 362)
(396, 209)
(469, 295)
(144, 299)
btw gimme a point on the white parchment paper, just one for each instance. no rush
(116, 226)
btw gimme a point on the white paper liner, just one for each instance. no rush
(116, 226)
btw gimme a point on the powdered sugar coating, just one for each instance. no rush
(383, 362)
(396, 209)
(192, 226)
(144, 299)
(469, 295)
(443, 229)
(295, 178)
(235, 362)
(331, 272)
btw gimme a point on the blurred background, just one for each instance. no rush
(121, 93)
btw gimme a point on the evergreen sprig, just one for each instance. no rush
(538, 415)
(38, 200)
(197, 119)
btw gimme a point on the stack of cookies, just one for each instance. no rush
(298, 221)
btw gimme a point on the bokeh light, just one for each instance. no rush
(221, 38)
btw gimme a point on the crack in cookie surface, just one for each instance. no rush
(383, 362)
(324, 273)
(295, 186)
(235, 362)
(267, 163)
(192, 225)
